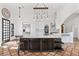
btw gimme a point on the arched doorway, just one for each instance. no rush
(71, 24)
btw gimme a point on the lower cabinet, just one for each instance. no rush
(24, 44)
(51, 44)
(44, 46)
(34, 44)
(40, 44)
(57, 43)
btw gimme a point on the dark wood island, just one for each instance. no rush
(40, 44)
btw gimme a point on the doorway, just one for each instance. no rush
(71, 24)
(62, 28)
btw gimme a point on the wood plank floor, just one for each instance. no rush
(69, 50)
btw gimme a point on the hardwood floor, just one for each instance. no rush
(69, 50)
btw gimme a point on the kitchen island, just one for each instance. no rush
(40, 43)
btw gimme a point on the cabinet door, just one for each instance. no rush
(50, 44)
(44, 44)
(57, 43)
(24, 44)
(35, 44)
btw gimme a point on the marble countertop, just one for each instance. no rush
(45, 36)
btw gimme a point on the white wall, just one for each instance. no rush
(13, 18)
(0, 27)
(63, 12)
(27, 17)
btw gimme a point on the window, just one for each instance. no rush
(5, 30)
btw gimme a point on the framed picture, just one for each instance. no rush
(26, 28)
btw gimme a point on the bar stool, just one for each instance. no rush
(21, 46)
(18, 36)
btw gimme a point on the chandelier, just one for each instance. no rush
(40, 12)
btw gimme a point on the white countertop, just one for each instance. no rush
(45, 36)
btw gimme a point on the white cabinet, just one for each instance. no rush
(67, 37)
